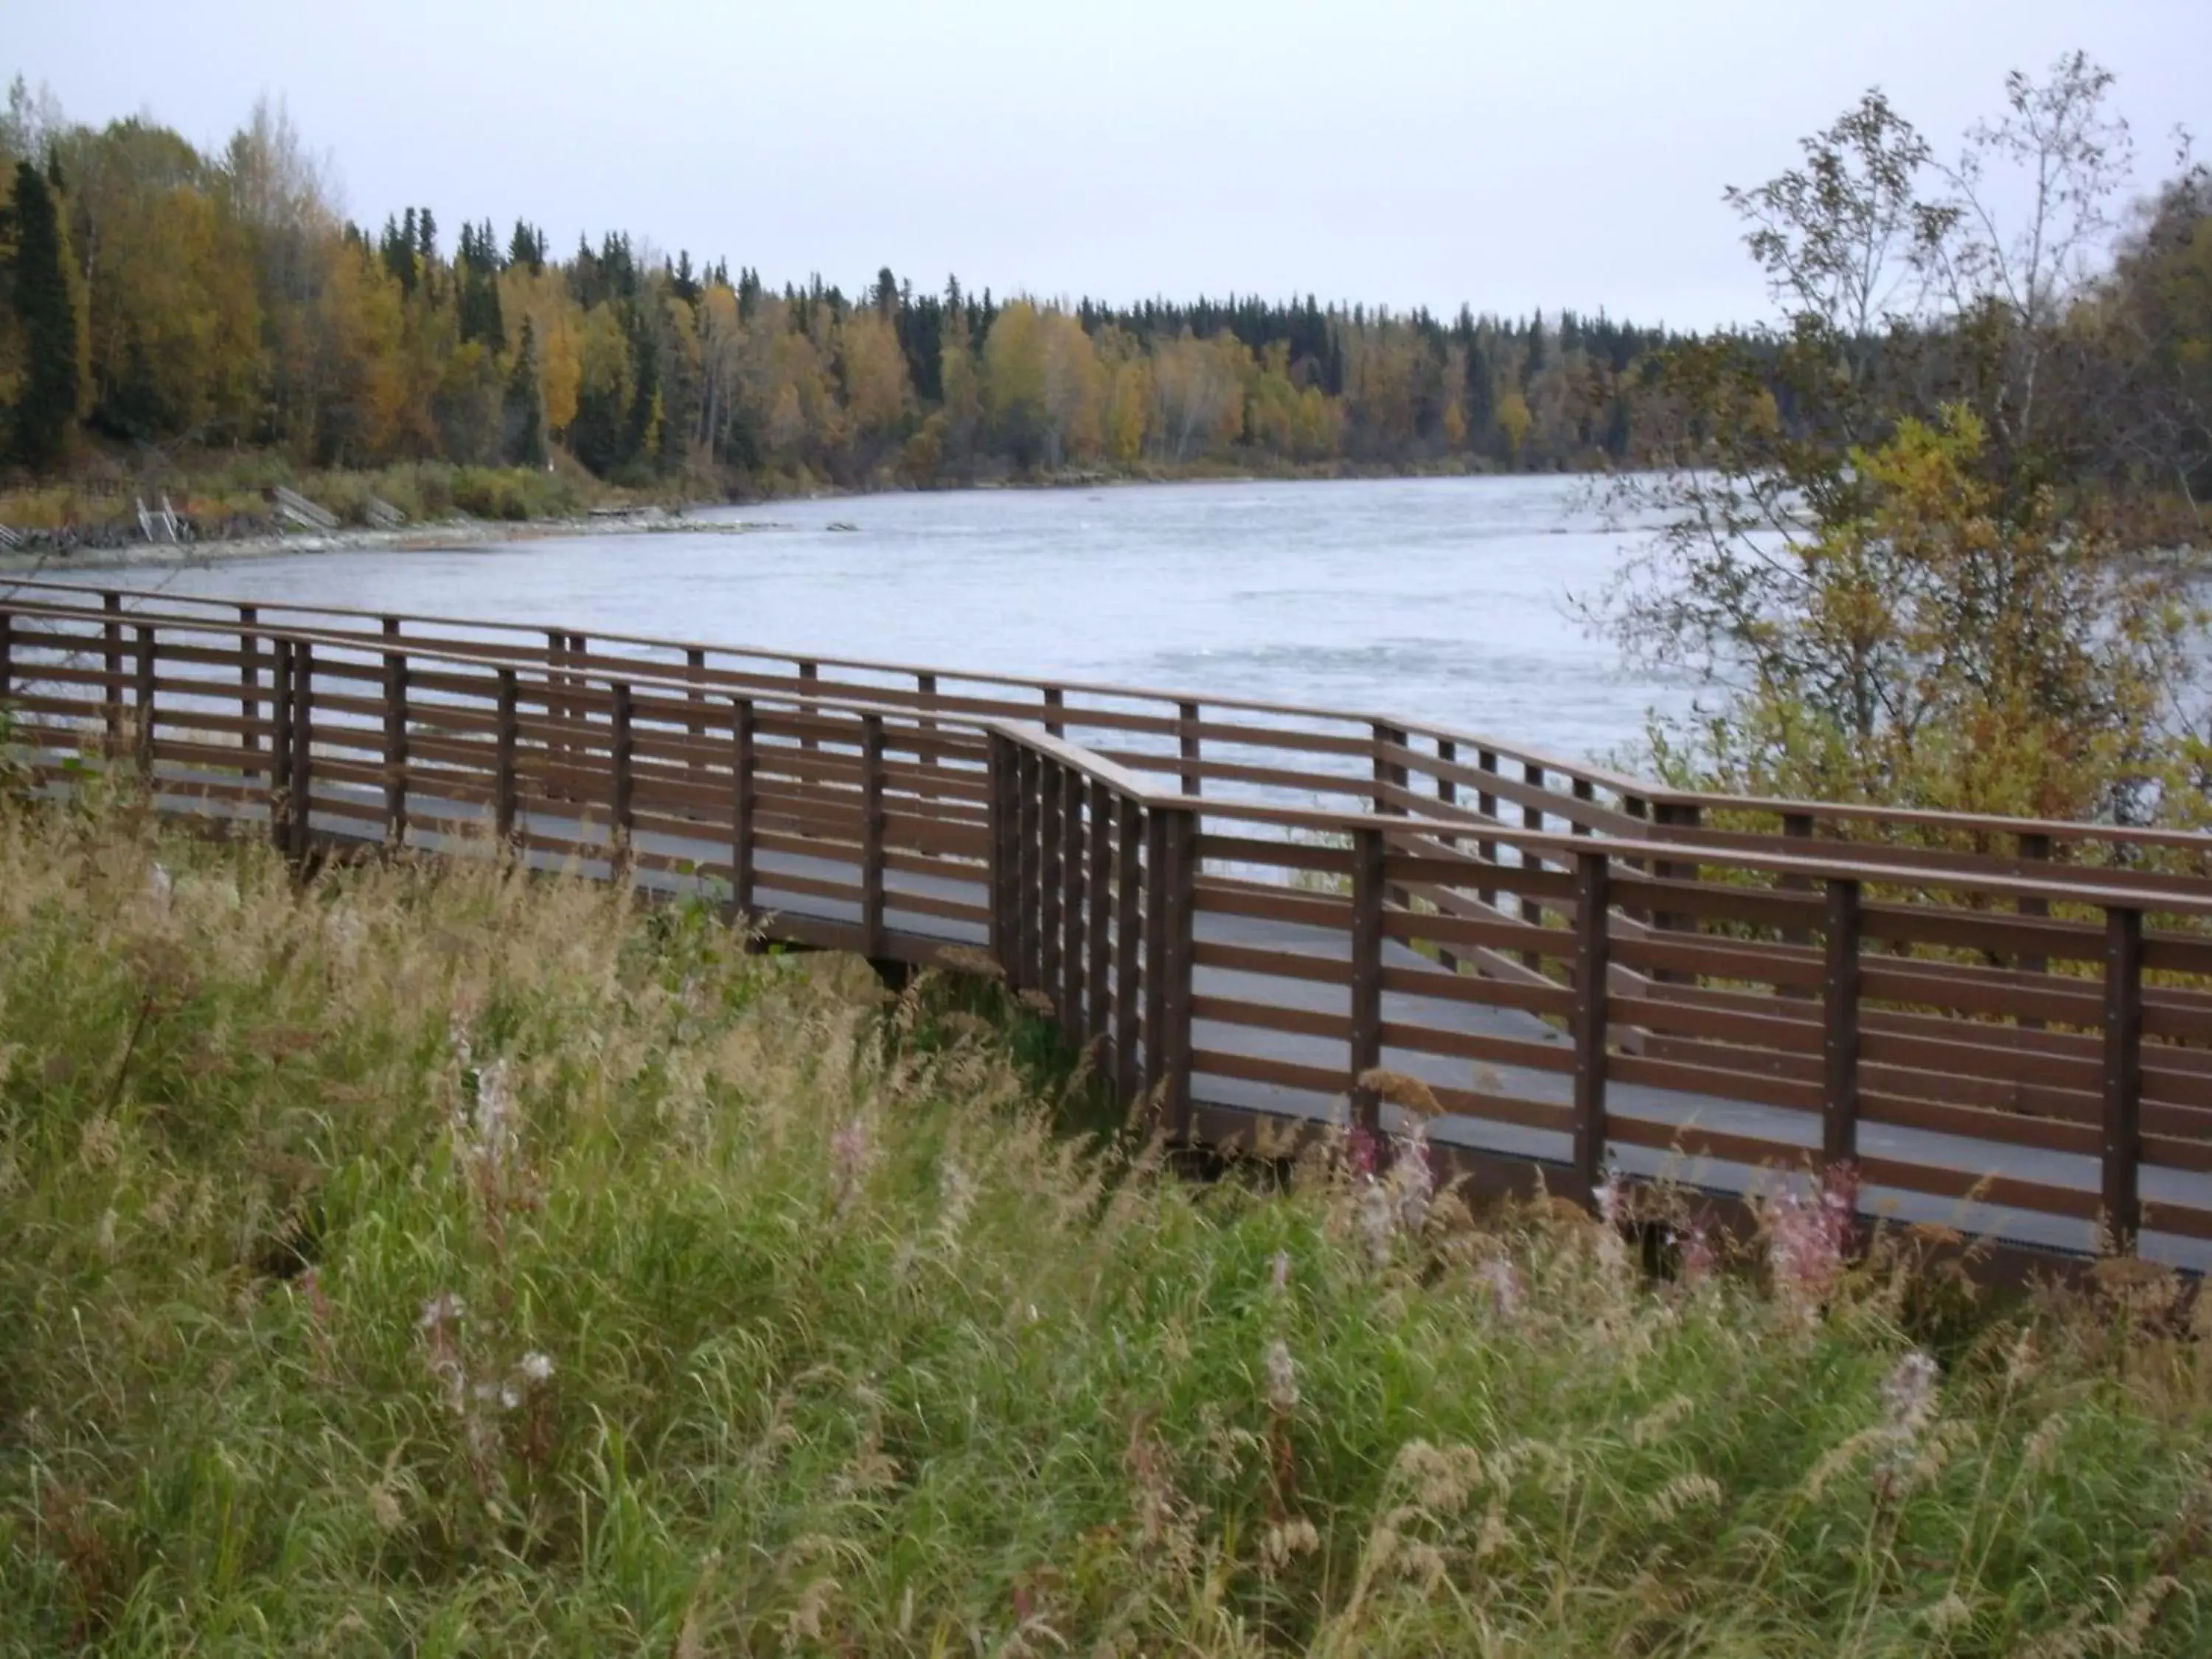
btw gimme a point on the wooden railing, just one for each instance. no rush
(2023, 1041)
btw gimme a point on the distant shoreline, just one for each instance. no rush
(405, 538)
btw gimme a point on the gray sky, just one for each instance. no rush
(1510, 154)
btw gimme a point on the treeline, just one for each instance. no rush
(166, 298)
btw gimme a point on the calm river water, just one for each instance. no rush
(1439, 599)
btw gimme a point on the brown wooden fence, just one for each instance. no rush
(1247, 911)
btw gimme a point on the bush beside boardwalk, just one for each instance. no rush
(435, 1259)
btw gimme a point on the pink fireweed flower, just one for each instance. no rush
(1808, 1239)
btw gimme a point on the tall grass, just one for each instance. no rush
(436, 1261)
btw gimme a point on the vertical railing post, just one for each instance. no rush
(7, 653)
(1021, 971)
(810, 673)
(1128, 913)
(1074, 915)
(1049, 796)
(1178, 843)
(2123, 1022)
(1486, 805)
(395, 737)
(301, 790)
(1839, 1041)
(1005, 852)
(1447, 788)
(556, 717)
(505, 788)
(1100, 886)
(1054, 701)
(143, 711)
(280, 748)
(622, 756)
(925, 697)
(1186, 742)
(1389, 774)
(745, 761)
(1592, 1018)
(249, 687)
(1532, 818)
(695, 669)
(1368, 850)
(2034, 848)
(111, 682)
(872, 837)
(1157, 882)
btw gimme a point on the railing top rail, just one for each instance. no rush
(1517, 752)
(461, 656)
(1830, 812)
(1811, 867)
(1657, 795)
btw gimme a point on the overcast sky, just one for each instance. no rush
(1509, 152)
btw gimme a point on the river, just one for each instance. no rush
(1439, 599)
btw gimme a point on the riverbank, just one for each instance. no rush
(406, 538)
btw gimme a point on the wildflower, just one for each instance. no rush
(535, 1367)
(1908, 1394)
(441, 1311)
(1507, 1292)
(1375, 1219)
(1808, 1240)
(1611, 1197)
(1694, 1254)
(484, 1127)
(160, 886)
(1414, 1180)
(1282, 1377)
(1282, 1271)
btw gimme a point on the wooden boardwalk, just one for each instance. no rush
(2004, 1027)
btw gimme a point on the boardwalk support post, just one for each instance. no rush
(1021, 971)
(1049, 797)
(112, 667)
(1073, 911)
(872, 837)
(1366, 1025)
(621, 754)
(143, 709)
(1128, 909)
(1187, 743)
(249, 686)
(1179, 913)
(1098, 978)
(301, 791)
(395, 737)
(745, 759)
(2123, 1022)
(280, 747)
(1839, 1099)
(1591, 1018)
(504, 788)
(1005, 852)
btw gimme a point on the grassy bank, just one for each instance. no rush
(438, 1262)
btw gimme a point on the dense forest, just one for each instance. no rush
(173, 301)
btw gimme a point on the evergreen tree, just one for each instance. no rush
(38, 286)
(523, 415)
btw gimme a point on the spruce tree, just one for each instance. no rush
(38, 285)
(524, 414)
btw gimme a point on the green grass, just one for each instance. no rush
(791, 1320)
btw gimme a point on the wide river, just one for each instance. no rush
(1439, 599)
